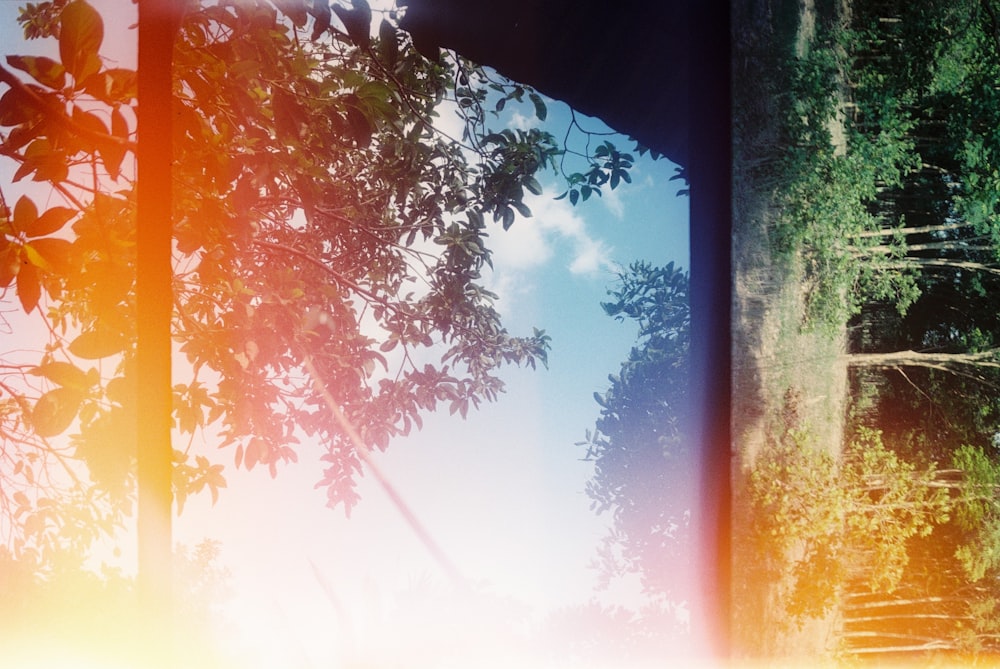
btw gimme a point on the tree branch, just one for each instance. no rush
(397, 500)
(57, 116)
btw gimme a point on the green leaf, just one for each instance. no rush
(44, 70)
(80, 38)
(508, 218)
(63, 374)
(55, 410)
(534, 187)
(540, 110)
(521, 208)
(93, 345)
(388, 47)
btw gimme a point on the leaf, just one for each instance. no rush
(55, 410)
(47, 162)
(255, 452)
(10, 263)
(29, 288)
(44, 70)
(115, 85)
(15, 109)
(521, 208)
(51, 221)
(295, 10)
(93, 345)
(361, 127)
(25, 214)
(508, 218)
(119, 126)
(357, 21)
(51, 253)
(388, 47)
(321, 10)
(535, 188)
(80, 38)
(540, 110)
(113, 154)
(63, 374)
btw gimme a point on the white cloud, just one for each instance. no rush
(555, 227)
(612, 201)
(591, 256)
(519, 121)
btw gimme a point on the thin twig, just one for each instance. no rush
(365, 454)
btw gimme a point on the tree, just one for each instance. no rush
(641, 453)
(328, 241)
(690, 121)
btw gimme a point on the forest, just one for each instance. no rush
(885, 197)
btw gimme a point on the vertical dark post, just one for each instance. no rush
(154, 305)
(709, 176)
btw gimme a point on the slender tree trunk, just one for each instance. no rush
(154, 304)
(917, 230)
(944, 361)
(888, 603)
(943, 263)
(913, 648)
(953, 245)
(904, 616)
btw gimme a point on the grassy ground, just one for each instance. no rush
(785, 376)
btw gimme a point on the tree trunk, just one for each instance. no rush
(942, 361)
(917, 230)
(943, 263)
(951, 245)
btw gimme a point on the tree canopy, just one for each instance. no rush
(641, 448)
(329, 239)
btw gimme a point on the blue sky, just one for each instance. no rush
(502, 491)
